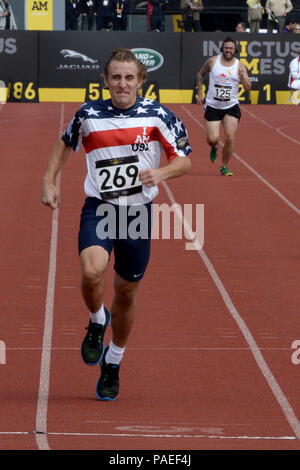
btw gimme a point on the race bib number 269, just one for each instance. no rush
(118, 176)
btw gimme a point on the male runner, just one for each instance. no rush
(123, 139)
(221, 104)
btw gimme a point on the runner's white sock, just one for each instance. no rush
(98, 317)
(114, 354)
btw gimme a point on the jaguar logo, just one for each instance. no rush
(68, 53)
(84, 63)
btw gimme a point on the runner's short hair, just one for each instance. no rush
(126, 55)
(229, 39)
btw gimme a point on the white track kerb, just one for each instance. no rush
(42, 405)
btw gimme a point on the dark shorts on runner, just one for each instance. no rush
(124, 229)
(215, 114)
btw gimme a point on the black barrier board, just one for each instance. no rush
(150, 90)
(266, 57)
(18, 55)
(70, 59)
(94, 91)
(267, 93)
(22, 90)
(243, 96)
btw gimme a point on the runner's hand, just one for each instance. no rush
(200, 98)
(150, 177)
(50, 196)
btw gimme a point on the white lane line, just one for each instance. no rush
(152, 436)
(43, 395)
(250, 168)
(278, 129)
(190, 348)
(287, 136)
(273, 384)
(269, 185)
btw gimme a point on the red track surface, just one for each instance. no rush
(193, 377)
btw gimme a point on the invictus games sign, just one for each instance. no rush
(260, 57)
(266, 57)
(151, 59)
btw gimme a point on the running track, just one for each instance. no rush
(209, 363)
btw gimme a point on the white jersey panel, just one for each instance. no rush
(223, 85)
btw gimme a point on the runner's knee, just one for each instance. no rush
(229, 138)
(92, 276)
(125, 292)
(212, 141)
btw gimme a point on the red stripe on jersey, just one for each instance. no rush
(118, 137)
(168, 148)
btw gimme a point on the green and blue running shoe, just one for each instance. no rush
(213, 154)
(225, 172)
(107, 387)
(92, 347)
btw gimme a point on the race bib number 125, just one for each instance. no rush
(222, 92)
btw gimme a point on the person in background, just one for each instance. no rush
(88, 11)
(72, 14)
(255, 12)
(191, 14)
(105, 15)
(296, 29)
(289, 25)
(294, 78)
(7, 19)
(121, 9)
(222, 104)
(241, 27)
(155, 15)
(277, 11)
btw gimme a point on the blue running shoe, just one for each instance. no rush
(107, 387)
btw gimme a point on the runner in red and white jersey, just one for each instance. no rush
(123, 138)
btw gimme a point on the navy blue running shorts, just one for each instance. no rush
(126, 230)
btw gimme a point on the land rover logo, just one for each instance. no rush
(152, 59)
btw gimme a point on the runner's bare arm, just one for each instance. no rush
(49, 193)
(244, 79)
(205, 69)
(177, 167)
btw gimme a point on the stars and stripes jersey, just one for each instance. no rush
(120, 143)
